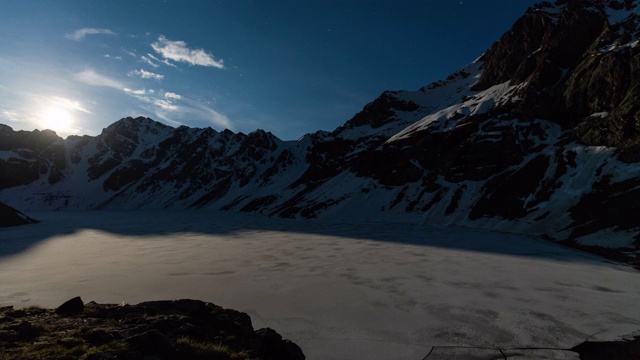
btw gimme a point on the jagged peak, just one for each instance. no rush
(380, 111)
(262, 139)
(129, 127)
(537, 39)
(614, 10)
(137, 122)
(463, 73)
(5, 128)
(230, 135)
(260, 133)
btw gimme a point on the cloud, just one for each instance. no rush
(131, 53)
(168, 63)
(69, 104)
(193, 109)
(178, 51)
(217, 118)
(91, 77)
(148, 97)
(134, 92)
(113, 57)
(81, 33)
(175, 107)
(148, 61)
(170, 95)
(146, 74)
(11, 115)
(164, 104)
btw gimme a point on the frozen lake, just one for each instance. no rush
(340, 291)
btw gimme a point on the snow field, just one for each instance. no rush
(360, 290)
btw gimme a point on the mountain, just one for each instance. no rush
(539, 136)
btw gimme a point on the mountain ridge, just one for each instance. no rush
(540, 135)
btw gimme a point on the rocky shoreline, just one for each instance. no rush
(177, 329)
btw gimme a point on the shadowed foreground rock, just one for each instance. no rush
(12, 217)
(618, 350)
(180, 329)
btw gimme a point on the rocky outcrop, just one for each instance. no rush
(180, 329)
(12, 217)
(575, 62)
(39, 154)
(618, 350)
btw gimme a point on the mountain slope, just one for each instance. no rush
(540, 135)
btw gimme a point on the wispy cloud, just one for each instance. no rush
(170, 95)
(193, 109)
(91, 77)
(10, 115)
(174, 107)
(69, 104)
(130, 53)
(179, 51)
(153, 57)
(164, 104)
(134, 92)
(217, 118)
(149, 97)
(168, 63)
(82, 33)
(113, 57)
(146, 74)
(148, 61)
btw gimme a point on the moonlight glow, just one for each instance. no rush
(57, 118)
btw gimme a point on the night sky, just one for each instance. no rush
(289, 67)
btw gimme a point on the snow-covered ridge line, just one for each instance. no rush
(516, 141)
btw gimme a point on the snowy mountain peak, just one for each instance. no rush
(130, 127)
(539, 136)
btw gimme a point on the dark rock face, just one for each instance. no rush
(495, 202)
(619, 350)
(381, 111)
(564, 59)
(12, 217)
(180, 329)
(71, 307)
(37, 153)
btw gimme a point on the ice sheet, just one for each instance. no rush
(339, 290)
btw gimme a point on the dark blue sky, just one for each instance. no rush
(289, 67)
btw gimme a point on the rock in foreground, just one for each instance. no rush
(180, 329)
(12, 217)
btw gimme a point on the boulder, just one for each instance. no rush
(71, 307)
(12, 217)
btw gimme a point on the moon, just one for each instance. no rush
(56, 118)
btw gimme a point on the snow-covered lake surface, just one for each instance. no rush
(340, 291)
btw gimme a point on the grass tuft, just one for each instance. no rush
(195, 349)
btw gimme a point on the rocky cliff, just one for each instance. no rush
(539, 136)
